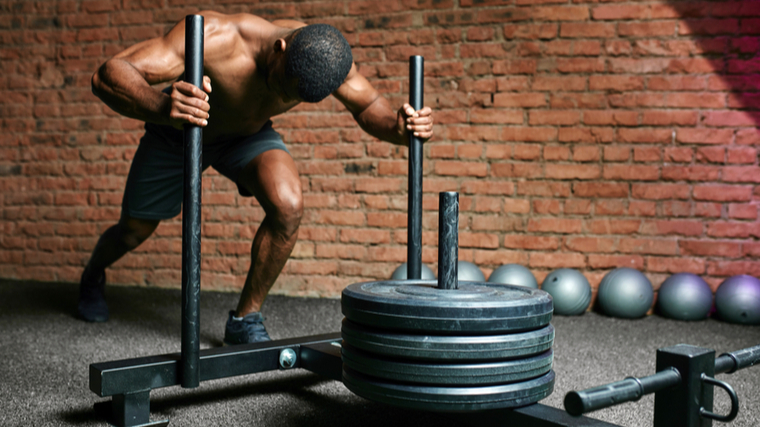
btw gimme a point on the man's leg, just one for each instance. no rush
(272, 177)
(123, 237)
(153, 190)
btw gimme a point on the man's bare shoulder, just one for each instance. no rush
(220, 22)
(246, 24)
(288, 23)
(228, 34)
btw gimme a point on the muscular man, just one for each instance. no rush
(258, 69)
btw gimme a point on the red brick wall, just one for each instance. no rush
(580, 134)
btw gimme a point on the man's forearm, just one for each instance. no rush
(124, 90)
(380, 121)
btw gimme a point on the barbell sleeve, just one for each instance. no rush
(740, 359)
(448, 239)
(191, 215)
(630, 389)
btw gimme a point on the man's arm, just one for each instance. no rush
(124, 83)
(376, 116)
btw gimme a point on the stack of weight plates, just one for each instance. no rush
(482, 346)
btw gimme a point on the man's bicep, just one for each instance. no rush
(356, 93)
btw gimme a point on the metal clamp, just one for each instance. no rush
(731, 394)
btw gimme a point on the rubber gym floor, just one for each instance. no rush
(45, 354)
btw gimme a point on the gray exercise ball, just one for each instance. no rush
(513, 274)
(570, 291)
(625, 292)
(737, 300)
(469, 272)
(685, 296)
(401, 274)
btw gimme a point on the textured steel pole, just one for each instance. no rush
(448, 240)
(191, 215)
(414, 220)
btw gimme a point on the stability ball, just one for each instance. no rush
(625, 292)
(570, 291)
(685, 296)
(513, 274)
(469, 272)
(737, 300)
(401, 274)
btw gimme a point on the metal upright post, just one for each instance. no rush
(191, 215)
(414, 239)
(680, 406)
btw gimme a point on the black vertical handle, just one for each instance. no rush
(414, 238)
(191, 214)
(448, 240)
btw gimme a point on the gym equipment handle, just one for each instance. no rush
(191, 215)
(740, 359)
(731, 394)
(627, 390)
(414, 220)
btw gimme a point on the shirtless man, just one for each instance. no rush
(258, 69)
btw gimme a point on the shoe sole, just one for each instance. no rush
(92, 319)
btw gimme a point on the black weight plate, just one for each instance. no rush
(447, 347)
(475, 308)
(449, 399)
(447, 374)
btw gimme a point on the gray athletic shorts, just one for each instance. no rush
(155, 181)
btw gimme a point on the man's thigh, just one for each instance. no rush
(261, 166)
(154, 184)
(273, 179)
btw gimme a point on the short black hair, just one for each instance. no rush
(320, 58)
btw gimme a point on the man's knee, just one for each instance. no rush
(288, 213)
(272, 177)
(135, 231)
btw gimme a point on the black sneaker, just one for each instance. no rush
(92, 302)
(249, 330)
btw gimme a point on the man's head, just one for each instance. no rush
(319, 57)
